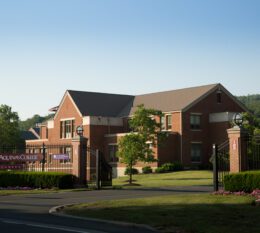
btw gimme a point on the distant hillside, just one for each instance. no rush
(31, 122)
(252, 102)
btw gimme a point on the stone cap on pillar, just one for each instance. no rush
(237, 130)
(79, 139)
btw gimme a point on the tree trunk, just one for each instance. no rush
(130, 174)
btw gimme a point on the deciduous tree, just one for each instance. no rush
(137, 145)
(9, 127)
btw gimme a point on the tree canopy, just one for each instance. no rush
(31, 122)
(251, 123)
(9, 127)
(146, 122)
(252, 102)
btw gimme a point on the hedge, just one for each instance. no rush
(37, 179)
(169, 167)
(243, 181)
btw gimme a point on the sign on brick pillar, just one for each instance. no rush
(79, 145)
(237, 148)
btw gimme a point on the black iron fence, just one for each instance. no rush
(56, 158)
(221, 158)
(253, 152)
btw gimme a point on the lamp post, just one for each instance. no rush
(79, 144)
(79, 131)
(238, 120)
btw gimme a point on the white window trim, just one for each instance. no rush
(67, 119)
(165, 122)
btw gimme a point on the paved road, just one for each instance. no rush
(30, 213)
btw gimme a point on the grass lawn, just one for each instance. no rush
(181, 178)
(200, 213)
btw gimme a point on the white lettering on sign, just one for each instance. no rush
(61, 157)
(20, 157)
(234, 145)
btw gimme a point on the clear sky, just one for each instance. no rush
(124, 46)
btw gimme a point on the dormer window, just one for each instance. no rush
(219, 97)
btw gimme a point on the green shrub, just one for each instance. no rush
(37, 179)
(160, 170)
(147, 170)
(243, 181)
(169, 167)
(134, 171)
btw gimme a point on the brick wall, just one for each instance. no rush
(210, 132)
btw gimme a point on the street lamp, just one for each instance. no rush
(238, 119)
(79, 130)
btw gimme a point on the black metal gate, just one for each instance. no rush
(221, 163)
(99, 171)
(221, 158)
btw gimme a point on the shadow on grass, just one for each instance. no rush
(128, 181)
(131, 185)
(187, 179)
(207, 218)
(170, 189)
(30, 221)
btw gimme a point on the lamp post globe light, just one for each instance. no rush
(79, 130)
(238, 119)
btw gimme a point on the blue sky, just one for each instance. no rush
(124, 46)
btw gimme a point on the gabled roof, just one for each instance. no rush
(115, 105)
(167, 101)
(173, 100)
(35, 131)
(99, 104)
(28, 135)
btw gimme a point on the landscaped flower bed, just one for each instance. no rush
(255, 194)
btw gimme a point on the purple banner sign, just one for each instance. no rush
(61, 156)
(4, 157)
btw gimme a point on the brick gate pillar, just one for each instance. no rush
(79, 163)
(237, 148)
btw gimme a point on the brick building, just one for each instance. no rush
(195, 118)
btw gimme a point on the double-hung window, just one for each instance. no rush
(112, 149)
(195, 121)
(166, 122)
(196, 152)
(67, 129)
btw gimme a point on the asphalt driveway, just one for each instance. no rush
(30, 213)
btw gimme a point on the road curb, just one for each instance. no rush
(56, 211)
